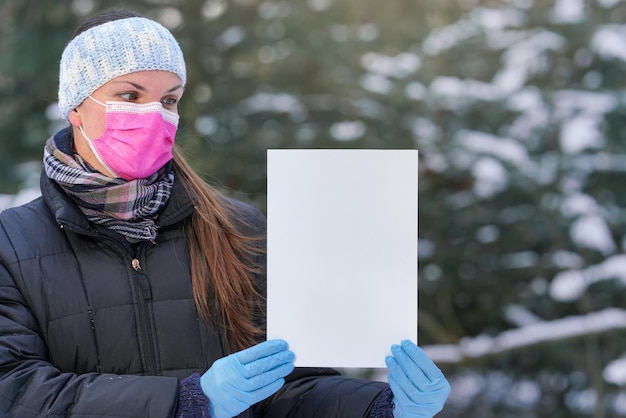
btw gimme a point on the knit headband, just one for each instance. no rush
(112, 49)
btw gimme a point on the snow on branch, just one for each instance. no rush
(572, 327)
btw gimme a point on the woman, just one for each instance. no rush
(131, 288)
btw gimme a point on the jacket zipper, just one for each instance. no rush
(144, 292)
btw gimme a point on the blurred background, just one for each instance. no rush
(516, 106)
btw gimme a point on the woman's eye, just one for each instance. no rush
(128, 96)
(170, 101)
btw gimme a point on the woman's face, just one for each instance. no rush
(140, 87)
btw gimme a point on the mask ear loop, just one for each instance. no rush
(93, 149)
(97, 101)
(80, 127)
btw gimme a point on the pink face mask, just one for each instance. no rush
(137, 140)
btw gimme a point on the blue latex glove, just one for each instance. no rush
(238, 381)
(419, 388)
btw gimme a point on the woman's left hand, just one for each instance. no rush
(419, 388)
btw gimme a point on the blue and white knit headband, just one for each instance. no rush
(112, 49)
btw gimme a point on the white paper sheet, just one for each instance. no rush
(342, 253)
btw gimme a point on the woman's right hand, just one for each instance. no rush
(238, 381)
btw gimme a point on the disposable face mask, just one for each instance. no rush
(137, 140)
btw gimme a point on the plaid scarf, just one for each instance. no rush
(126, 207)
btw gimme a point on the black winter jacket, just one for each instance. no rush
(92, 328)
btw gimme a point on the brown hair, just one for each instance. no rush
(101, 18)
(222, 261)
(221, 257)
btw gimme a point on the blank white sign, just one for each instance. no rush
(342, 253)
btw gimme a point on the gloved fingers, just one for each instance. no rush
(232, 387)
(265, 364)
(257, 394)
(244, 393)
(434, 397)
(265, 391)
(402, 385)
(421, 359)
(415, 371)
(416, 404)
(267, 377)
(404, 371)
(263, 349)
(414, 384)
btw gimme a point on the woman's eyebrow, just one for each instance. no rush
(180, 86)
(135, 85)
(142, 88)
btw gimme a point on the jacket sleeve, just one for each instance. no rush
(30, 386)
(321, 392)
